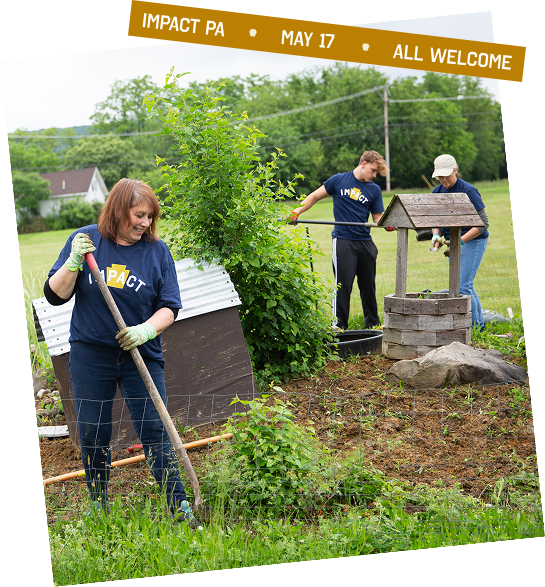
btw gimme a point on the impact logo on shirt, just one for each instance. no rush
(118, 276)
(354, 194)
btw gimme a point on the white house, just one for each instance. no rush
(86, 183)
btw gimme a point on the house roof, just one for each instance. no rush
(430, 211)
(76, 181)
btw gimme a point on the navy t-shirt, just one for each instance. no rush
(141, 278)
(473, 194)
(353, 201)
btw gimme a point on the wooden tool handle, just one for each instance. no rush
(150, 385)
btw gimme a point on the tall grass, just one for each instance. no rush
(33, 289)
(141, 541)
(340, 507)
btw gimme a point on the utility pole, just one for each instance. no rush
(386, 138)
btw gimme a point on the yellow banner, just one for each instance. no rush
(326, 41)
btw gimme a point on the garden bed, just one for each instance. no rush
(470, 435)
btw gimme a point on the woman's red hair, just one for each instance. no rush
(126, 194)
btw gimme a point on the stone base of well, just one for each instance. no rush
(420, 322)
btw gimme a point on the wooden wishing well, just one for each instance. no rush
(415, 324)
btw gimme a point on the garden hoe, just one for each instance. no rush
(158, 402)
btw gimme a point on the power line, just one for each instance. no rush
(125, 134)
(318, 105)
(263, 117)
(373, 128)
(281, 144)
(460, 97)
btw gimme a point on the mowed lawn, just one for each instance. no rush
(496, 283)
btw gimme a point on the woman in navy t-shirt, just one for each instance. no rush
(141, 276)
(473, 240)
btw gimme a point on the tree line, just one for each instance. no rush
(322, 119)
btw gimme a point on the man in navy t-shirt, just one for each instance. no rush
(355, 196)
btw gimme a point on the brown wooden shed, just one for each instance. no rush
(414, 324)
(207, 363)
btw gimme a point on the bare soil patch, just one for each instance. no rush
(471, 435)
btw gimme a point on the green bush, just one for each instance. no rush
(73, 213)
(272, 464)
(222, 205)
(29, 190)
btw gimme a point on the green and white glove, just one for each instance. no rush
(133, 336)
(81, 245)
(435, 238)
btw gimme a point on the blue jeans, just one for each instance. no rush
(96, 371)
(471, 255)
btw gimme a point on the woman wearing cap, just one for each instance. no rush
(141, 276)
(473, 240)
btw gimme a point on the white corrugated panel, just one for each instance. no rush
(202, 291)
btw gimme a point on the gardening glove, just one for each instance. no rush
(292, 217)
(435, 239)
(133, 336)
(81, 244)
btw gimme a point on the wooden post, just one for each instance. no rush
(454, 262)
(401, 262)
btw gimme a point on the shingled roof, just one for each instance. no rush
(430, 211)
(76, 181)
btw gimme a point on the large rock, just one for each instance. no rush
(455, 364)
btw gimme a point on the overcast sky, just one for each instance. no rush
(69, 86)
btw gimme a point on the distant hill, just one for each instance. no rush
(65, 144)
(79, 130)
(83, 130)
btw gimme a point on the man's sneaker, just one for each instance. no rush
(185, 514)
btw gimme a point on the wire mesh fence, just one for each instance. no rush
(340, 441)
(326, 445)
(496, 281)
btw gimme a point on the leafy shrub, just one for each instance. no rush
(357, 483)
(73, 213)
(221, 205)
(29, 225)
(29, 189)
(271, 464)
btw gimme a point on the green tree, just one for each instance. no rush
(420, 131)
(482, 120)
(324, 139)
(123, 113)
(115, 157)
(28, 155)
(39, 151)
(221, 206)
(337, 132)
(29, 189)
(320, 141)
